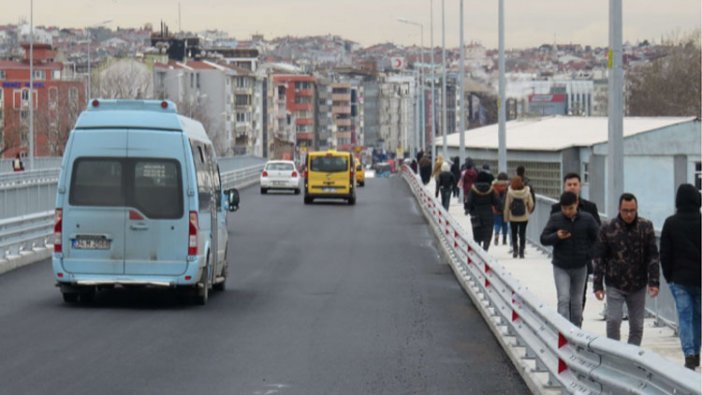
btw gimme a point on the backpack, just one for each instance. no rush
(517, 208)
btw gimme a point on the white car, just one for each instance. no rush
(280, 174)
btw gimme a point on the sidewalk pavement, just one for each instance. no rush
(535, 272)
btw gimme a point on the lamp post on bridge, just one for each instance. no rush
(421, 129)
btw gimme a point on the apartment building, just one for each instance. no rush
(291, 114)
(56, 102)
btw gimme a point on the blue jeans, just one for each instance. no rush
(501, 224)
(687, 301)
(446, 197)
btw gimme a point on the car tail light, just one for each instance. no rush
(58, 225)
(264, 174)
(192, 234)
(294, 174)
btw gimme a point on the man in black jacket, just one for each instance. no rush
(573, 235)
(680, 261)
(571, 183)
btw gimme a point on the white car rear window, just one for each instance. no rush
(280, 166)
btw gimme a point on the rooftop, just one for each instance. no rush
(557, 132)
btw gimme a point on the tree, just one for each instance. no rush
(125, 79)
(670, 85)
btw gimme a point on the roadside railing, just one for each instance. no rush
(550, 353)
(662, 307)
(28, 238)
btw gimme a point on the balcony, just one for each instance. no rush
(304, 92)
(341, 97)
(343, 122)
(341, 110)
(309, 136)
(343, 135)
(300, 107)
(304, 121)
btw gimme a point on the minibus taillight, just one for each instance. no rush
(264, 174)
(58, 224)
(192, 234)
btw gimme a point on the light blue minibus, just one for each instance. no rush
(140, 203)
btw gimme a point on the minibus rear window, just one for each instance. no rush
(153, 186)
(329, 164)
(97, 182)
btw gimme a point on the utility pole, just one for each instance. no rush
(501, 114)
(462, 97)
(615, 146)
(31, 85)
(443, 80)
(433, 80)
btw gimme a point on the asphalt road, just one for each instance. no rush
(322, 299)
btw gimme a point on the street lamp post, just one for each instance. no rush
(443, 79)
(31, 85)
(462, 97)
(433, 80)
(501, 110)
(90, 45)
(420, 88)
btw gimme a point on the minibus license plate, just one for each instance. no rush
(91, 244)
(329, 189)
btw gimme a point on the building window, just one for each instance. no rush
(241, 82)
(243, 100)
(586, 172)
(39, 75)
(197, 80)
(53, 97)
(73, 95)
(2, 74)
(698, 175)
(56, 75)
(25, 96)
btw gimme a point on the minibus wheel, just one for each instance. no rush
(202, 293)
(70, 297)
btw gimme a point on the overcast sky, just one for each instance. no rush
(529, 22)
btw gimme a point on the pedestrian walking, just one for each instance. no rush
(680, 261)
(444, 185)
(425, 169)
(456, 171)
(437, 167)
(17, 164)
(573, 235)
(521, 172)
(500, 186)
(482, 202)
(627, 262)
(468, 177)
(488, 173)
(518, 205)
(571, 183)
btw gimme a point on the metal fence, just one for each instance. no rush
(44, 162)
(662, 308)
(33, 191)
(550, 353)
(26, 235)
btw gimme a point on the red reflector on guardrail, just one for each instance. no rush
(562, 367)
(562, 341)
(515, 316)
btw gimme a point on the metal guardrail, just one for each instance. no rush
(23, 234)
(539, 341)
(44, 162)
(662, 307)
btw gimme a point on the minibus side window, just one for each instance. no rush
(157, 188)
(204, 182)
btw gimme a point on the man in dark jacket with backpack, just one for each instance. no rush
(680, 261)
(573, 235)
(571, 183)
